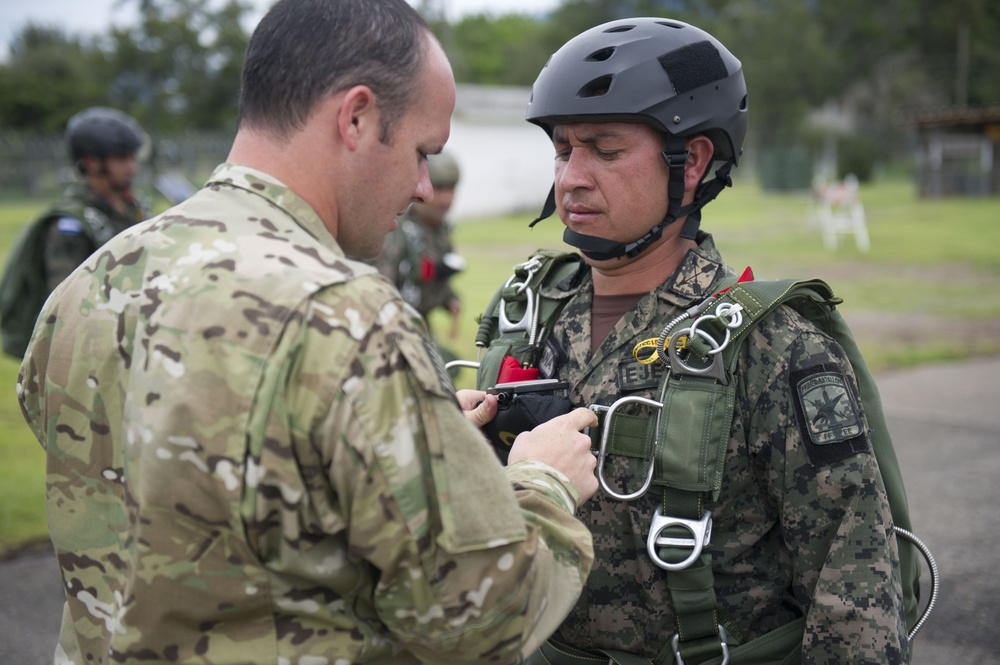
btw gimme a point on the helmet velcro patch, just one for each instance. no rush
(693, 66)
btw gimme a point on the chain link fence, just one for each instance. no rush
(34, 166)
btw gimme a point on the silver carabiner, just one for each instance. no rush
(602, 453)
(677, 364)
(471, 364)
(531, 266)
(701, 534)
(525, 323)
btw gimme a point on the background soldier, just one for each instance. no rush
(254, 455)
(418, 257)
(102, 143)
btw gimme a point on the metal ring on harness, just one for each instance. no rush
(675, 644)
(525, 323)
(471, 364)
(679, 366)
(602, 450)
(701, 534)
(717, 346)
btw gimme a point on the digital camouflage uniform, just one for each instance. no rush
(80, 223)
(412, 260)
(799, 530)
(254, 457)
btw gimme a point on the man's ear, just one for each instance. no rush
(91, 164)
(357, 116)
(701, 150)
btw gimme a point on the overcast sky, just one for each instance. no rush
(94, 16)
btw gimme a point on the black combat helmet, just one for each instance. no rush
(677, 78)
(101, 132)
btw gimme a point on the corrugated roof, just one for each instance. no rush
(952, 116)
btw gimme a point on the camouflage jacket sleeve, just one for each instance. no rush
(439, 552)
(809, 437)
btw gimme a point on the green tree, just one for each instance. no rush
(50, 76)
(179, 67)
(506, 50)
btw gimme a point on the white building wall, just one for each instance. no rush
(506, 161)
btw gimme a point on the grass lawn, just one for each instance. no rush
(926, 292)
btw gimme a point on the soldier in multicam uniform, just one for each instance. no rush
(638, 111)
(418, 257)
(254, 455)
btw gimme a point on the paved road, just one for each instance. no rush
(945, 421)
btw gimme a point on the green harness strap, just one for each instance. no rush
(775, 648)
(697, 396)
(685, 445)
(521, 313)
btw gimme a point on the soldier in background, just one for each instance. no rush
(103, 144)
(418, 257)
(253, 452)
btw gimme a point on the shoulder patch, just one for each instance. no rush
(829, 415)
(69, 226)
(426, 364)
(695, 276)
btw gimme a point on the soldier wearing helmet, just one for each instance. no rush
(647, 117)
(418, 257)
(102, 143)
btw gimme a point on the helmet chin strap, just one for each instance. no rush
(675, 156)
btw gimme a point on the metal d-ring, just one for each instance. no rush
(701, 534)
(525, 323)
(602, 451)
(677, 364)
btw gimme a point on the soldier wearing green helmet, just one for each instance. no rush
(419, 258)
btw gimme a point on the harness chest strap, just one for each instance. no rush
(521, 313)
(698, 398)
(688, 446)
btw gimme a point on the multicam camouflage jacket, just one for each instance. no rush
(802, 528)
(254, 456)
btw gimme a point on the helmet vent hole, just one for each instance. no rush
(621, 28)
(596, 88)
(602, 55)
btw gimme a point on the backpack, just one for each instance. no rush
(23, 287)
(694, 392)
